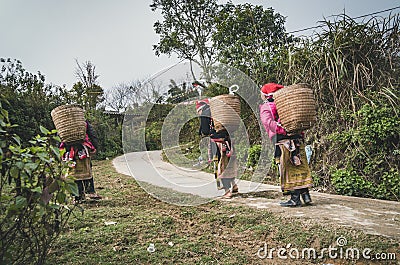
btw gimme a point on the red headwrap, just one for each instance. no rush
(270, 88)
(201, 103)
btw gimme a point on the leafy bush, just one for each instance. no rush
(254, 155)
(109, 133)
(33, 195)
(347, 182)
(368, 151)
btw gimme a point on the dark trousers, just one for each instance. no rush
(85, 186)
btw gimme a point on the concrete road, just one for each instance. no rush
(149, 167)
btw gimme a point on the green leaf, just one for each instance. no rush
(17, 140)
(44, 130)
(4, 113)
(61, 197)
(20, 201)
(56, 151)
(37, 189)
(72, 188)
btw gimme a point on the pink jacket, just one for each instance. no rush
(269, 118)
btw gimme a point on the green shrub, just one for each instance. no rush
(254, 156)
(33, 195)
(349, 183)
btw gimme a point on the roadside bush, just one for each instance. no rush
(33, 195)
(347, 182)
(254, 156)
(109, 134)
(368, 153)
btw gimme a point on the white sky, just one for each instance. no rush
(117, 36)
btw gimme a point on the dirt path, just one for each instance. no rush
(371, 216)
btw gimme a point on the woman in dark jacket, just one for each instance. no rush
(80, 154)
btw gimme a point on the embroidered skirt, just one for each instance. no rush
(293, 177)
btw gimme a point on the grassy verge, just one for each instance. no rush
(213, 233)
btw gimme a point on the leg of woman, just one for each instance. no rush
(81, 192)
(221, 174)
(227, 184)
(294, 200)
(305, 194)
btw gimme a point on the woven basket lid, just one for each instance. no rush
(70, 123)
(296, 107)
(225, 111)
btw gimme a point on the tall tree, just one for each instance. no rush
(87, 91)
(186, 29)
(26, 97)
(119, 97)
(249, 38)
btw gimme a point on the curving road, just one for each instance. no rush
(149, 167)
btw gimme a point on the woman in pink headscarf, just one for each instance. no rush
(294, 172)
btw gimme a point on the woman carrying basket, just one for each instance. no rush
(289, 153)
(220, 151)
(81, 152)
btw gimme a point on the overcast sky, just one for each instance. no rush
(117, 36)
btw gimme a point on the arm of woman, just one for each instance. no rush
(268, 120)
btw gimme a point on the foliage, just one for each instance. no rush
(186, 29)
(254, 156)
(22, 92)
(108, 130)
(347, 182)
(153, 136)
(370, 152)
(214, 90)
(33, 195)
(180, 93)
(249, 38)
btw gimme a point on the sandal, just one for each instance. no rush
(94, 196)
(235, 188)
(227, 195)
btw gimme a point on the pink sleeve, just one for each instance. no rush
(280, 130)
(268, 120)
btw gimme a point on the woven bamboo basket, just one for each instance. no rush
(296, 107)
(70, 123)
(225, 111)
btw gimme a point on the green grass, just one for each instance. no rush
(212, 233)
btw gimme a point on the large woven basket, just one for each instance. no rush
(296, 107)
(70, 123)
(225, 111)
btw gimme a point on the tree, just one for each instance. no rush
(27, 98)
(186, 30)
(119, 97)
(86, 91)
(249, 38)
(180, 92)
